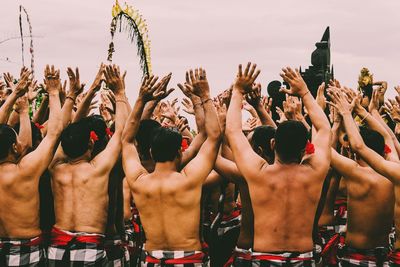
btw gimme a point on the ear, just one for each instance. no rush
(272, 144)
(15, 148)
(91, 144)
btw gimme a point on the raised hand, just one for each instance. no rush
(181, 124)
(281, 115)
(267, 104)
(340, 101)
(114, 80)
(254, 97)
(98, 80)
(22, 104)
(24, 82)
(321, 99)
(188, 106)
(244, 80)
(52, 79)
(393, 109)
(374, 102)
(33, 91)
(75, 86)
(161, 91)
(297, 85)
(9, 80)
(198, 84)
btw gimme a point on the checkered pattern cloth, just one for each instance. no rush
(162, 258)
(392, 238)
(76, 249)
(377, 257)
(340, 212)
(240, 258)
(117, 253)
(22, 252)
(291, 259)
(229, 222)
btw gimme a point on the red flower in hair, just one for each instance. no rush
(387, 149)
(309, 148)
(184, 144)
(109, 132)
(39, 126)
(93, 136)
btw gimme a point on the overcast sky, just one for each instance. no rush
(217, 35)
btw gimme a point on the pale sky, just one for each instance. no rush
(217, 35)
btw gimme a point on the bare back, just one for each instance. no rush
(370, 211)
(169, 207)
(19, 202)
(80, 197)
(284, 200)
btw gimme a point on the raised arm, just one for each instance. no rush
(199, 139)
(75, 88)
(348, 168)
(36, 162)
(247, 161)
(200, 166)
(106, 159)
(389, 169)
(20, 89)
(322, 138)
(84, 106)
(254, 99)
(148, 91)
(25, 129)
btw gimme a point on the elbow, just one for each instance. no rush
(357, 146)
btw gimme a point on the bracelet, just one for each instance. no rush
(305, 94)
(16, 111)
(121, 100)
(197, 104)
(70, 97)
(208, 99)
(366, 116)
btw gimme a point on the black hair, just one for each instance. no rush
(145, 135)
(262, 136)
(75, 139)
(165, 144)
(373, 140)
(97, 124)
(290, 140)
(36, 134)
(8, 137)
(367, 91)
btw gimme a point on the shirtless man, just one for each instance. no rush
(284, 195)
(20, 234)
(79, 184)
(376, 209)
(169, 200)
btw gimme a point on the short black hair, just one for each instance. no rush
(165, 144)
(145, 135)
(262, 136)
(8, 137)
(290, 141)
(98, 125)
(75, 139)
(373, 140)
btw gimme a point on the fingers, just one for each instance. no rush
(246, 70)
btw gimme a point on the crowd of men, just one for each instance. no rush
(307, 181)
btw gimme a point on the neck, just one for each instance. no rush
(168, 166)
(280, 162)
(84, 158)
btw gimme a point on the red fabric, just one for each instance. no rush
(309, 148)
(61, 238)
(236, 213)
(342, 207)
(278, 258)
(196, 258)
(330, 250)
(394, 257)
(237, 254)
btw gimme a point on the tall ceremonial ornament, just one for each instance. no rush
(130, 21)
(40, 96)
(31, 51)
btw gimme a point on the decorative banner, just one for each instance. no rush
(130, 21)
(22, 9)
